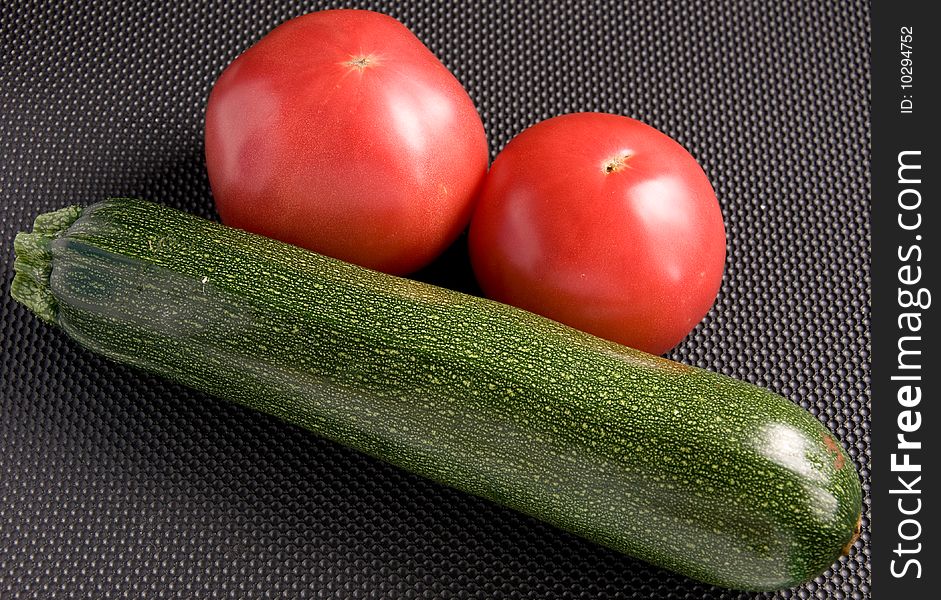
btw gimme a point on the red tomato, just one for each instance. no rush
(605, 224)
(341, 132)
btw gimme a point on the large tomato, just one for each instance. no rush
(605, 224)
(339, 131)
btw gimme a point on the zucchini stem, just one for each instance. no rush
(33, 263)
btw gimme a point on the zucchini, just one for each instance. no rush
(690, 470)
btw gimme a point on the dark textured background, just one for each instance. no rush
(114, 484)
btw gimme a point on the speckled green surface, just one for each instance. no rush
(690, 470)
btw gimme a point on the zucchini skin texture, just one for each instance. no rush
(690, 470)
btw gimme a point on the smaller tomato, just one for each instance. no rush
(602, 223)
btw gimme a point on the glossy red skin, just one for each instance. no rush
(634, 255)
(339, 131)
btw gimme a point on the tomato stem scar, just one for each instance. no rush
(617, 163)
(362, 61)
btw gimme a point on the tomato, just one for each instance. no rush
(340, 132)
(602, 223)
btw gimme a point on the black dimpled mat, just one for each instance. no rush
(114, 484)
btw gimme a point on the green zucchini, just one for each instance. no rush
(693, 471)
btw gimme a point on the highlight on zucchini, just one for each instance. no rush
(690, 470)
